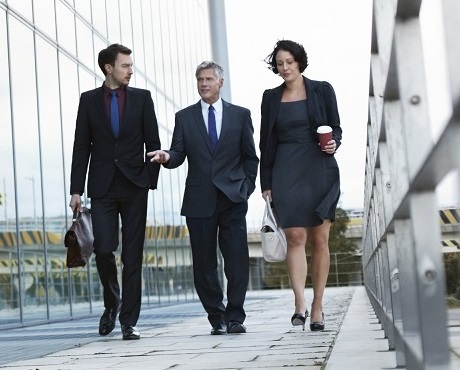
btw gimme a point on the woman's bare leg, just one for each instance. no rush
(320, 262)
(297, 264)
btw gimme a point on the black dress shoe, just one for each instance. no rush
(107, 321)
(217, 330)
(234, 327)
(130, 332)
(317, 325)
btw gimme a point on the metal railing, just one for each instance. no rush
(402, 259)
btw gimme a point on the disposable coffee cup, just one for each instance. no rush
(325, 135)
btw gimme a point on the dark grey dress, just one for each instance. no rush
(306, 183)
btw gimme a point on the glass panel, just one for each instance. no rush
(158, 76)
(99, 44)
(126, 24)
(27, 162)
(149, 69)
(76, 283)
(9, 292)
(54, 191)
(50, 126)
(45, 17)
(173, 55)
(99, 17)
(87, 82)
(23, 7)
(83, 7)
(168, 40)
(84, 42)
(85, 289)
(182, 74)
(166, 51)
(138, 42)
(69, 105)
(113, 21)
(65, 27)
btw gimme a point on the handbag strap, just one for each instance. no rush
(268, 214)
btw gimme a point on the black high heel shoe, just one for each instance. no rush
(317, 325)
(299, 319)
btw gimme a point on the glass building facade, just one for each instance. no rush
(50, 48)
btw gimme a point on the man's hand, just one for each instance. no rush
(159, 156)
(75, 203)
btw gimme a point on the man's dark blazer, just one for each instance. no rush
(94, 138)
(321, 109)
(232, 168)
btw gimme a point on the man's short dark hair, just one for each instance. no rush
(109, 55)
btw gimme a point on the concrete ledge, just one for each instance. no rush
(361, 343)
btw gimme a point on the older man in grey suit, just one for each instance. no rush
(216, 137)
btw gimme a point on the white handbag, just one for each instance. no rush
(272, 237)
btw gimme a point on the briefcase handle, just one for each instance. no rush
(77, 214)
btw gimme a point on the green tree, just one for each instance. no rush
(338, 242)
(452, 271)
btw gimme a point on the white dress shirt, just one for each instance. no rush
(217, 112)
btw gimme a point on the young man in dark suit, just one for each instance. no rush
(217, 139)
(115, 126)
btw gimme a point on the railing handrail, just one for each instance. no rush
(403, 266)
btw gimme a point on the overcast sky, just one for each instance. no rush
(336, 35)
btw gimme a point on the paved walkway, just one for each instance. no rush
(177, 337)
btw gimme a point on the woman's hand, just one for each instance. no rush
(267, 193)
(330, 147)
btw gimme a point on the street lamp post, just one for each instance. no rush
(32, 179)
(4, 204)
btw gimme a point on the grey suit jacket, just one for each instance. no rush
(232, 168)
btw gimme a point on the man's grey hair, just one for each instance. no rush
(218, 70)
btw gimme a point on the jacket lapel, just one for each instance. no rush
(100, 106)
(201, 126)
(275, 102)
(315, 116)
(128, 109)
(226, 118)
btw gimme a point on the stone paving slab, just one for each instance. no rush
(176, 337)
(270, 343)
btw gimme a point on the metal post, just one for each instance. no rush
(219, 42)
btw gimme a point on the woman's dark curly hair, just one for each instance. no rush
(296, 49)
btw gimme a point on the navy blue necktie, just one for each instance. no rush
(114, 114)
(212, 131)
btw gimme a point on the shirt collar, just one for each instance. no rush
(217, 105)
(119, 90)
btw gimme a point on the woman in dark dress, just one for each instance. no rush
(300, 179)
